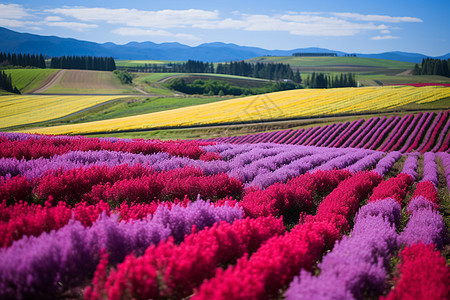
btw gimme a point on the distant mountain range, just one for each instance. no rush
(15, 42)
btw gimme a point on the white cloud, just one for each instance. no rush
(376, 18)
(384, 37)
(131, 31)
(72, 25)
(136, 22)
(12, 11)
(18, 23)
(166, 18)
(53, 18)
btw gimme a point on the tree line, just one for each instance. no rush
(313, 54)
(272, 71)
(431, 66)
(212, 87)
(324, 81)
(6, 83)
(83, 63)
(23, 60)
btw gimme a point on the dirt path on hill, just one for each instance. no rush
(55, 79)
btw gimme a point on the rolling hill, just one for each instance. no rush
(268, 107)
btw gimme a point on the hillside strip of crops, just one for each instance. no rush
(85, 82)
(268, 107)
(423, 132)
(21, 110)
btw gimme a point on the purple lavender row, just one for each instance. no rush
(334, 134)
(345, 135)
(365, 162)
(402, 139)
(52, 263)
(441, 137)
(366, 137)
(320, 139)
(430, 131)
(410, 165)
(399, 128)
(445, 158)
(425, 224)
(379, 129)
(381, 136)
(422, 131)
(295, 168)
(364, 132)
(343, 161)
(386, 163)
(357, 264)
(357, 133)
(430, 169)
(413, 135)
(267, 164)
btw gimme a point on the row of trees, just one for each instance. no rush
(313, 54)
(83, 63)
(213, 87)
(6, 83)
(23, 60)
(431, 66)
(273, 71)
(321, 80)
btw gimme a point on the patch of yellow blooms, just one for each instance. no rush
(19, 110)
(279, 105)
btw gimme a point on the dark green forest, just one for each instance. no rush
(83, 63)
(6, 83)
(431, 66)
(324, 81)
(213, 87)
(22, 60)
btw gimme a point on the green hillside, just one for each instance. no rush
(298, 61)
(27, 80)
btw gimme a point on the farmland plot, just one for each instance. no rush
(114, 218)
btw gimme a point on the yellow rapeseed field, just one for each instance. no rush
(26, 109)
(286, 104)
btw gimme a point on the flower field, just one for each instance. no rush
(19, 110)
(423, 132)
(279, 105)
(108, 218)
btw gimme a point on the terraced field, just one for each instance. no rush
(281, 105)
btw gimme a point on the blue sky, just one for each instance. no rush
(346, 25)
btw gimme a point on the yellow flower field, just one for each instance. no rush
(286, 104)
(20, 110)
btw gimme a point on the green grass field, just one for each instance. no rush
(296, 61)
(27, 80)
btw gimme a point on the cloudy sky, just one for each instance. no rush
(345, 25)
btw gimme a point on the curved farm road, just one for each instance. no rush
(56, 78)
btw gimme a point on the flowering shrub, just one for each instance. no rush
(423, 274)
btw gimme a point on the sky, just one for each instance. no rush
(346, 25)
